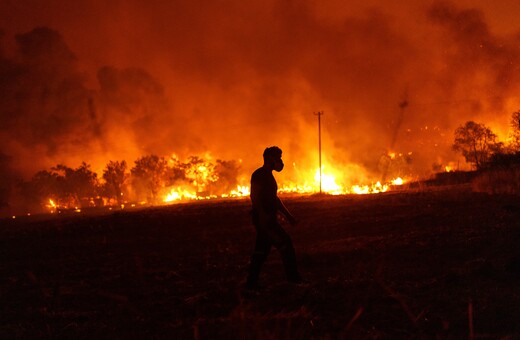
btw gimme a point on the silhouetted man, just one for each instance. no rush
(269, 232)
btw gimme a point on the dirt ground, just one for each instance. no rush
(441, 263)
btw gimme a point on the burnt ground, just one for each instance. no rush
(441, 263)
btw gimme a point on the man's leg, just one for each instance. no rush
(282, 241)
(260, 253)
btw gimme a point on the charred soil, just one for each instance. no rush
(441, 262)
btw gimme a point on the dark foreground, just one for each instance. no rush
(438, 263)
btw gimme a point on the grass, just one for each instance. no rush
(432, 263)
(498, 181)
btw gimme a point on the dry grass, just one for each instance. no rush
(498, 181)
(440, 263)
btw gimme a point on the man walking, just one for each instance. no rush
(265, 207)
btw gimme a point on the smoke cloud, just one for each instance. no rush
(97, 82)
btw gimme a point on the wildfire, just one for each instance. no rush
(52, 206)
(201, 178)
(328, 182)
(179, 193)
(397, 181)
(369, 189)
(329, 185)
(240, 191)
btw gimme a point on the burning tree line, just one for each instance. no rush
(149, 180)
(480, 145)
(155, 179)
(497, 163)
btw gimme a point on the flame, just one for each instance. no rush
(241, 191)
(369, 189)
(51, 206)
(329, 185)
(452, 166)
(201, 180)
(397, 181)
(328, 182)
(179, 193)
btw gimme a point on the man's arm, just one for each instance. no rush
(283, 209)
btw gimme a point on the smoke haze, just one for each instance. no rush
(85, 81)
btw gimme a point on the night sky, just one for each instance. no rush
(97, 81)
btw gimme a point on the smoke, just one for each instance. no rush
(43, 99)
(479, 64)
(50, 116)
(117, 81)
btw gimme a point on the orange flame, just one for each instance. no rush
(51, 206)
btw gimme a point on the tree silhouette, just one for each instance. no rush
(115, 175)
(80, 183)
(200, 172)
(476, 142)
(177, 171)
(150, 172)
(44, 186)
(67, 187)
(227, 174)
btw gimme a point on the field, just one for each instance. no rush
(441, 262)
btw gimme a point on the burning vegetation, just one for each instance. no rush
(394, 86)
(158, 180)
(154, 180)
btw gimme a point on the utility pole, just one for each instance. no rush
(319, 114)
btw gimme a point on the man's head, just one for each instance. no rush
(273, 158)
